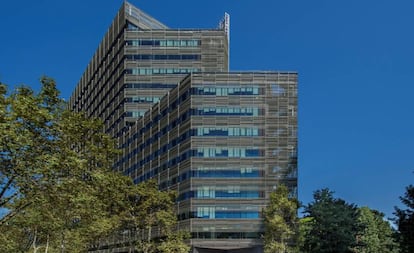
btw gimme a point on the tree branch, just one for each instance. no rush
(13, 213)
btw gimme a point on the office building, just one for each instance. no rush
(138, 61)
(223, 140)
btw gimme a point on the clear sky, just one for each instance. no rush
(355, 60)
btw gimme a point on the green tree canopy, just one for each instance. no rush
(281, 222)
(332, 224)
(405, 221)
(28, 130)
(57, 187)
(375, 234)
(152, 218)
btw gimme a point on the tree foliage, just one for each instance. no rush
(27, 128)
(174, 243)
(375, 234)
(281, 222)
(57, 188)
(405, 221)
(152, 217)
(58, 192)
(332, 225)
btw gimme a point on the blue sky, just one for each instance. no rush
(355, 61)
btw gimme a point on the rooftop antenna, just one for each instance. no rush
(225, 26)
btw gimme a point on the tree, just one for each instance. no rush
(333, 225)
(281, 222)
(375, 234)
(152, 220)
(305, 226)
(405, 221)
(27, 124)
(58, 190)
(174, 243)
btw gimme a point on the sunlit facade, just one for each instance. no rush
(223, 140)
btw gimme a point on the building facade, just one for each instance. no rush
(138, 61)
(223, 140)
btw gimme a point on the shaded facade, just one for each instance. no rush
(223, 140)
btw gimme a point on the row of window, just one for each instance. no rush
(142, 99)
(225, 91)
(184, 116)
(215, 213)
(226, 235)
(202, 152)
(160, 71)
(138, 57)
(229, 131)
(163, 43)
(247, 152)
(135, 114)
(161, 133)
(201, 111)
(220, 172)
(212, 194)
(228, 111)
(149, 86)
(207, 191)
(229, 152)
(213, 172)
(155, 137)
(229, 215)
(224, 111)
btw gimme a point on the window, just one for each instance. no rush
(157, 71)
(218, 212)
(228, 111)
(135, 114)
(137, 99)
(226, 91)
(161, 43)
(277, 89)
(228, 152)
(223, 172)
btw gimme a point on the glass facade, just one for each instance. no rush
(217, 172)
(137, 99)
(236, 147)
(218, 213)
(163, 43)
(164, 57)
(149, 86)
(229, 131)
(239, 152)
(160, 71)
(228, 111)
(225, 91)
(222, 140)
(135, 114)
